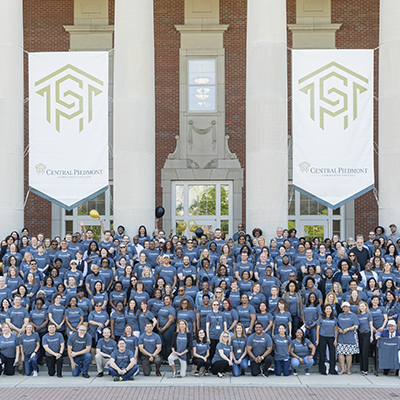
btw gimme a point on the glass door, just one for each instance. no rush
(311, 229)
(207, 205)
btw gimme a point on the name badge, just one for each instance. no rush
(217, 327)
(239, 351)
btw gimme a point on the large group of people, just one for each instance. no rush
(217, 304)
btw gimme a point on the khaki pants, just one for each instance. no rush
(171, 360)
(100, 362)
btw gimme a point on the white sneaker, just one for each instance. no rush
(35, 374)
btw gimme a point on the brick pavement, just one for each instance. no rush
(197, 393)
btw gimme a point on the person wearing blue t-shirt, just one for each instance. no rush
(299, 352)
(327, 336)
(105, 347)
(201, 354)
(123, 363)
(259, 348)
(30, 345)
(222, 360)
(150, 348)
(53, 344)
(181, 349)
(239, 349)
(79, 345)
(9, 350)
(281, 351)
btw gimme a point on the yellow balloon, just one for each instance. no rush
(182, 225)
(94, 214)
(194, 227)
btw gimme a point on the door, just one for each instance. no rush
(207, 205)
(312, 228)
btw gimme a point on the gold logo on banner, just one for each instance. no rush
(333, 90)
(69, 93)
(40, 168)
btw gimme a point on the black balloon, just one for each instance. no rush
(199, 232)
(160, 211)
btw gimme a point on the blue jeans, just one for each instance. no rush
(124, 377)
(237, 369)
(308, 363)
(313, 333)
(31, 363)
(86, 360)
(282, 365)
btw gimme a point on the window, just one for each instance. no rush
(202, 85)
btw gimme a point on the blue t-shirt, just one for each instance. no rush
(299, 349)
(259, 344)
(29, 342)
(245, 313)
(347, 321)
(282, 318)
(226, 350)
(327, 326)
(201, 348)
(53, 342)
(106, 347)
(122, 359)
(239, 346)
(150, 342)
(281, 347)
(363, 321)
(8, 345)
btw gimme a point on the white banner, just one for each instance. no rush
(68, 126)
(333, 124)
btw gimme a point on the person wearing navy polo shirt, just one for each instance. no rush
(79, 345)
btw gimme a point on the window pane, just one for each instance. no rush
(225, 228)
(179, 200)
(69, 212)
(69, 226)
(312, 231)
(202, 200)
(224, 200)
(311, 207)
(202, 98)
(291, 224)
(98, 203)
(336, 227)
(336, 212)
(201, 72)
(291, 200)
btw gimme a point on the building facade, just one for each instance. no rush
(200, 110)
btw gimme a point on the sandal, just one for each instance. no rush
(196, 374)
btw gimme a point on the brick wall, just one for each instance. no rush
(167, 13)
(234, 14)
(43, 31)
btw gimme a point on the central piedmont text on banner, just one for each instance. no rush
(68, 126)
(333, 124)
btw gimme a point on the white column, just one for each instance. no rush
(11, 117)
(134, 115)
(389, 116)
(266, 117)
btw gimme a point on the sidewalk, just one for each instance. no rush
(315, 380)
